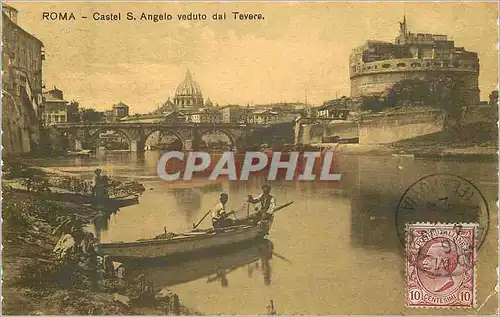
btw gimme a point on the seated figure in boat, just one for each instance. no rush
(220, 217)
(266, 200)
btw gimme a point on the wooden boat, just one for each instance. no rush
(79, 153)
(165, 274)
(186, 243)
(114, 202)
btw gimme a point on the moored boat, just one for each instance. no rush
(186, 243)
(79, 153)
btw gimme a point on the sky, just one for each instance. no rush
(297, 47)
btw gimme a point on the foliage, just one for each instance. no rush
(20, 214)
(32, 179)
(90, 115)
(409, 92)
(118, 189)
(446, 92)
(13, 169)
(493, 98)
(73, 184)
(374, 102)
(83, 187)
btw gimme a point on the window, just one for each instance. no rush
(416, 65)
(386, 66)
(436, 64)
(401, 65)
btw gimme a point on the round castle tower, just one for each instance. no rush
(376, 66)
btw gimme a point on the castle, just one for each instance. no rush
(376, 66)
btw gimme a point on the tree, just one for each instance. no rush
(91, 115)
(73, 112)
(408, 92)
(373, 102)
(494, 98)
(446, 92)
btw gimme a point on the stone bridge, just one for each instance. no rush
(190, 134)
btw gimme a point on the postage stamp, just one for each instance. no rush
(440, 265)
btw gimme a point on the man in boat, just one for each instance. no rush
(99, 186)
(266, 200)
(220, 217)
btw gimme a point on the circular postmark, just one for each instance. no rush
(443, 198)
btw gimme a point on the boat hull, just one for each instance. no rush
(165, 274)
(188, 243)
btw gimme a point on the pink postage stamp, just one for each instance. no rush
(440, 265)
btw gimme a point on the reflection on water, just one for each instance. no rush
(101, 220)
(340, 238)
(214, 270)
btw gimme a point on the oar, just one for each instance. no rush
(195, 226)
(282, 206)
(281, 257)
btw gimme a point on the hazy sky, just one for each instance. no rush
(297, 45)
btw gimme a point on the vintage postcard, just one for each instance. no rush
(249, 158)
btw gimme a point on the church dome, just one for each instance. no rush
(188, 87)
(188, 94)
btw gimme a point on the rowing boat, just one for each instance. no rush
(186, 243)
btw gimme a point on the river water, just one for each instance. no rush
(336, 249)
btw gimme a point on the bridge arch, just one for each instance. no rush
(94, 136)
(231, 137)
(165, 131)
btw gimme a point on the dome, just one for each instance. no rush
(188, 87)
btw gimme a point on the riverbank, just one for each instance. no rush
(429, 151)
(472, 141)
(33, 279)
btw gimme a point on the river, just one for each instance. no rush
(336, 250)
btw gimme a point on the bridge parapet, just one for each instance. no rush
(138, 133)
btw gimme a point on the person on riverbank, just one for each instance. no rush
(266, 200)
(70, 225)
(220, 217)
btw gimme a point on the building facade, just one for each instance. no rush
(120, 110)
(233, 114)
(56, 109)
(263, 117)
(22, 56)
(377, 66)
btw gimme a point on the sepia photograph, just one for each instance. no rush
(250, 158)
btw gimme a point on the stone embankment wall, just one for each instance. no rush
(386, 128)
(392, 126)
(314, 133)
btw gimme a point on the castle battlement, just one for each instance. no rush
(376, 65)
